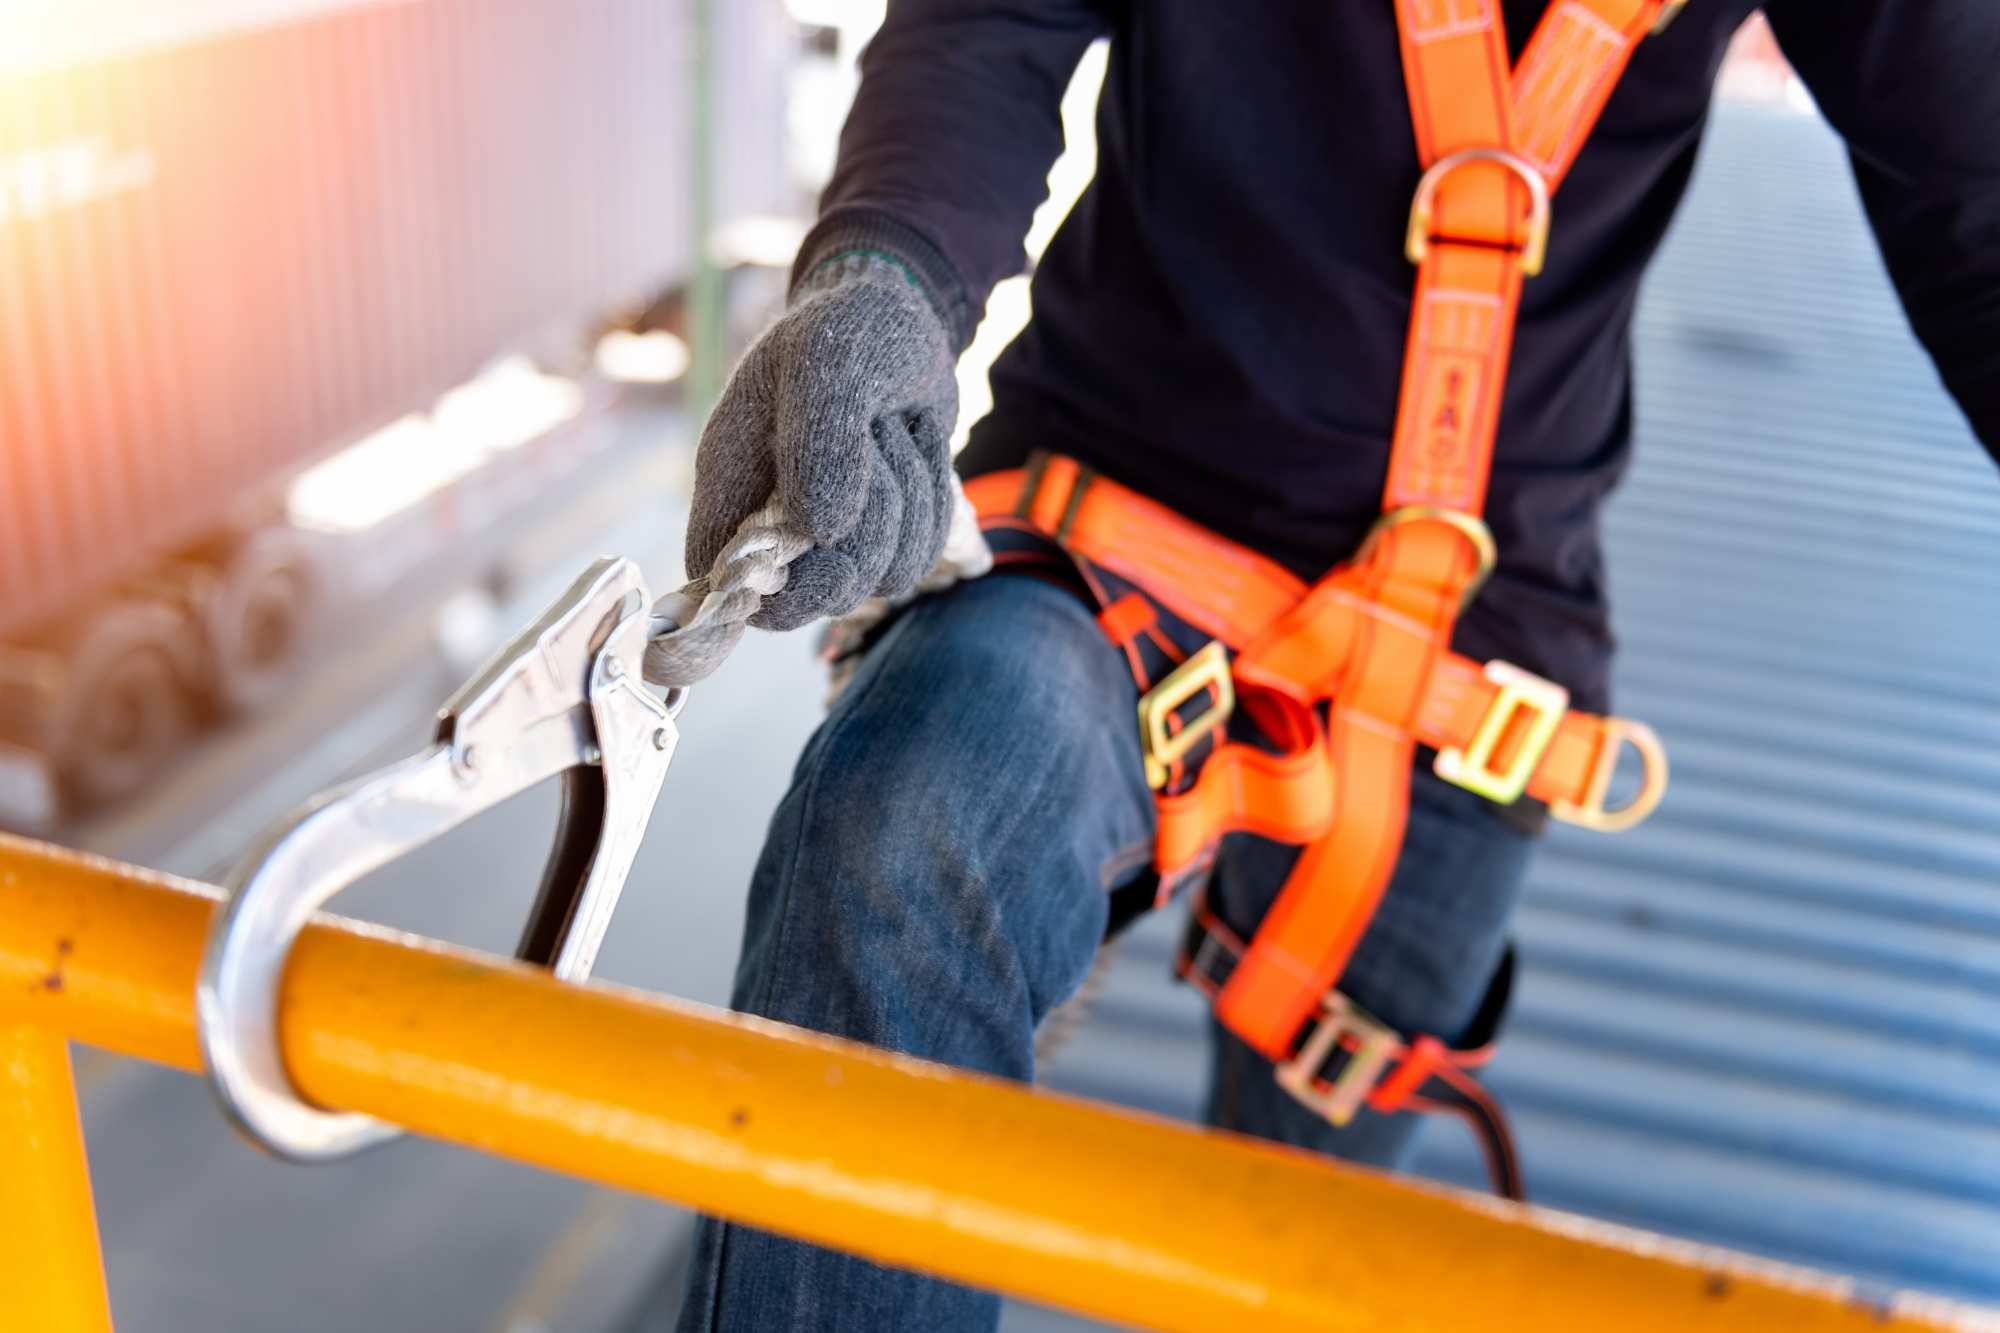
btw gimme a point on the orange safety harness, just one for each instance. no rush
(1344, 678)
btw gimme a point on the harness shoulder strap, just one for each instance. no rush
(1494, 146)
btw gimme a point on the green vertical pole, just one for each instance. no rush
(706, 314)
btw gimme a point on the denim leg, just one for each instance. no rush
(934, 882)
(1422, 966)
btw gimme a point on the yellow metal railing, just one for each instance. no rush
(1108, 1213)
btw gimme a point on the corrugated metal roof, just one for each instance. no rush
(1768, 1017)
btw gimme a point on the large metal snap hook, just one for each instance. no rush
(565, 697)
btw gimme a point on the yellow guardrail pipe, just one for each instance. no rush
(1113, 1214)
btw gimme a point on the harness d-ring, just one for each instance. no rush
(1534, 248)
(564, 698)
(1484, 552)
(1591, 812)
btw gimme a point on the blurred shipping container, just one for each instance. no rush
(237, 237)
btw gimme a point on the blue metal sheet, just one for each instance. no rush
(1768, 1017)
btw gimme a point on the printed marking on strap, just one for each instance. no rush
(1455, 347)
(1435, 20)
(1558, 78)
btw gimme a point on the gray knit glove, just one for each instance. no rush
(844, 411)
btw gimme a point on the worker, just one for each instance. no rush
(1234, 369)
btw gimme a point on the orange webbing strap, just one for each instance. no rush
(1454, 367)
(1411, 587)
(1350, 1059)
(1479, 224)
(1207, 580)
(1287, 797)
(1573, 774)
(1218, 586)
(1297, 655)
(1469, 252)
(1567, 73)
(1493, 146)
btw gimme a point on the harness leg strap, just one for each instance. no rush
(1327, 902)
(1347, 1059)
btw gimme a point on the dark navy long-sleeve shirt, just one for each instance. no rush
(1220, 321)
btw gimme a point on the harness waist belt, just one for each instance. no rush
(1498, 730)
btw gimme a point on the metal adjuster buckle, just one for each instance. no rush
(1543, 701)
(1081, 477)
(1372, 1046)
(1590, 812)
(1534, 249)
(564, 698)
(1207, 669)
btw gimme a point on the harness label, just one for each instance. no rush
(1451, 354)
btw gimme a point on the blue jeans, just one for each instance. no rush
(935, 881)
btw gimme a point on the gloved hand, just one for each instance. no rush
(844, 410)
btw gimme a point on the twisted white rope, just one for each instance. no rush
(695, 628)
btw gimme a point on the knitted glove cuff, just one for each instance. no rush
(862, 266)
(849, 232)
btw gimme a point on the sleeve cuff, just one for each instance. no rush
(845, 230)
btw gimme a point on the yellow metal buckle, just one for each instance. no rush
(1373, 1048)
(1207, 669)
(1534, 249)
(1590, 812)
(1472, 767)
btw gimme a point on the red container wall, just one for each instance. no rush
(221, 259)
